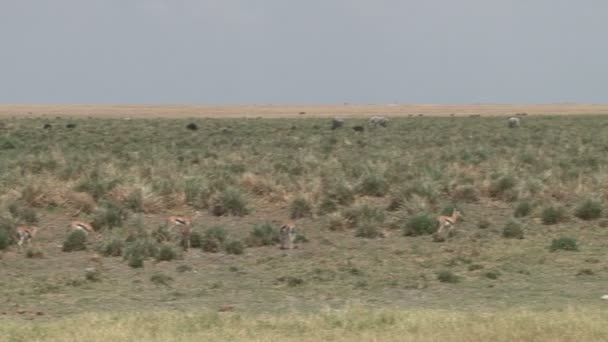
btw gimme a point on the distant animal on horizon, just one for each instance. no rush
(378, 121)
(514, 122)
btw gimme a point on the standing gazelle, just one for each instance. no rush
(183, 225)
(448, 221)
(287, 235)
(25, 234)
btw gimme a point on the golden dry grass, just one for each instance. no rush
(287, 111)
(574, 324)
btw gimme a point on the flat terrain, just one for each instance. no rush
(291, 111)
(533, 239)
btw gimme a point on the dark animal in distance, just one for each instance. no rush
(70, 125)
(359, 128)
(192, 126)
(47, 126)
(337, 123)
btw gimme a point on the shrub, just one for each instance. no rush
(522, 209)
(166, 253)
(300, 207)
(161, 234)
(183, 268)
(110, 215)
(502, 185)
(92, 274)
(588, 210)
(34, 253)
(300, 238)
(564, 243)
(196, 240)
(447, 277)
(373, 185)
(363, 214)
(335, 222)
(161, 279)
(263, 234)
(5, 238)
(230, 201)
(420, 224)
(139, 250)
(112, 248)
(327, 205)
(513, 230)
(339, 191)
(136, 261)
(234, 247)
(291, 281)
(367, 230)
(213, 239)
(22, 213)
(76, 241)
(552, 215)
(492, 275)
(484, 223)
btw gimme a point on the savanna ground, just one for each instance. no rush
(527, 262)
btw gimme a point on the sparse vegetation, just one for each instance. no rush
(340, 184)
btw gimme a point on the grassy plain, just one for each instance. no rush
(527, 195)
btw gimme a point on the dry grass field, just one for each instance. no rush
(527, 262)
(292, 111)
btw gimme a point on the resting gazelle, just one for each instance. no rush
(25, 234)
(448, 222)
(287, 235)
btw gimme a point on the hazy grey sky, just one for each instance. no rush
(308, 51)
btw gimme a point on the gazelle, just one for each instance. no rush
(448, 221)
(287, 235)
(183, 225)
(25, 234)
(87, 228)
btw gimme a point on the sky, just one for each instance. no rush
(303, 52)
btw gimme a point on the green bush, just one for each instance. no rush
(373, 185)
(447, 277)
(362, 214)
(213, 239)
(139, 250)
(420, 224)
(513, 230)
(230, 201)
(5, 238)
(522, 209)
(76, 241)
(109, 215)
(196, 239)
(552, 215)
(23, 213)
(564, 243)
(234, 247)
(112, 248)
(589, 210)
(166, 253)
(367, 230)
(161, 279)
(263, 234)
(502, 185)
(300, 207)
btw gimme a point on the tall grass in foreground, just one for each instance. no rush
(574, 324)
